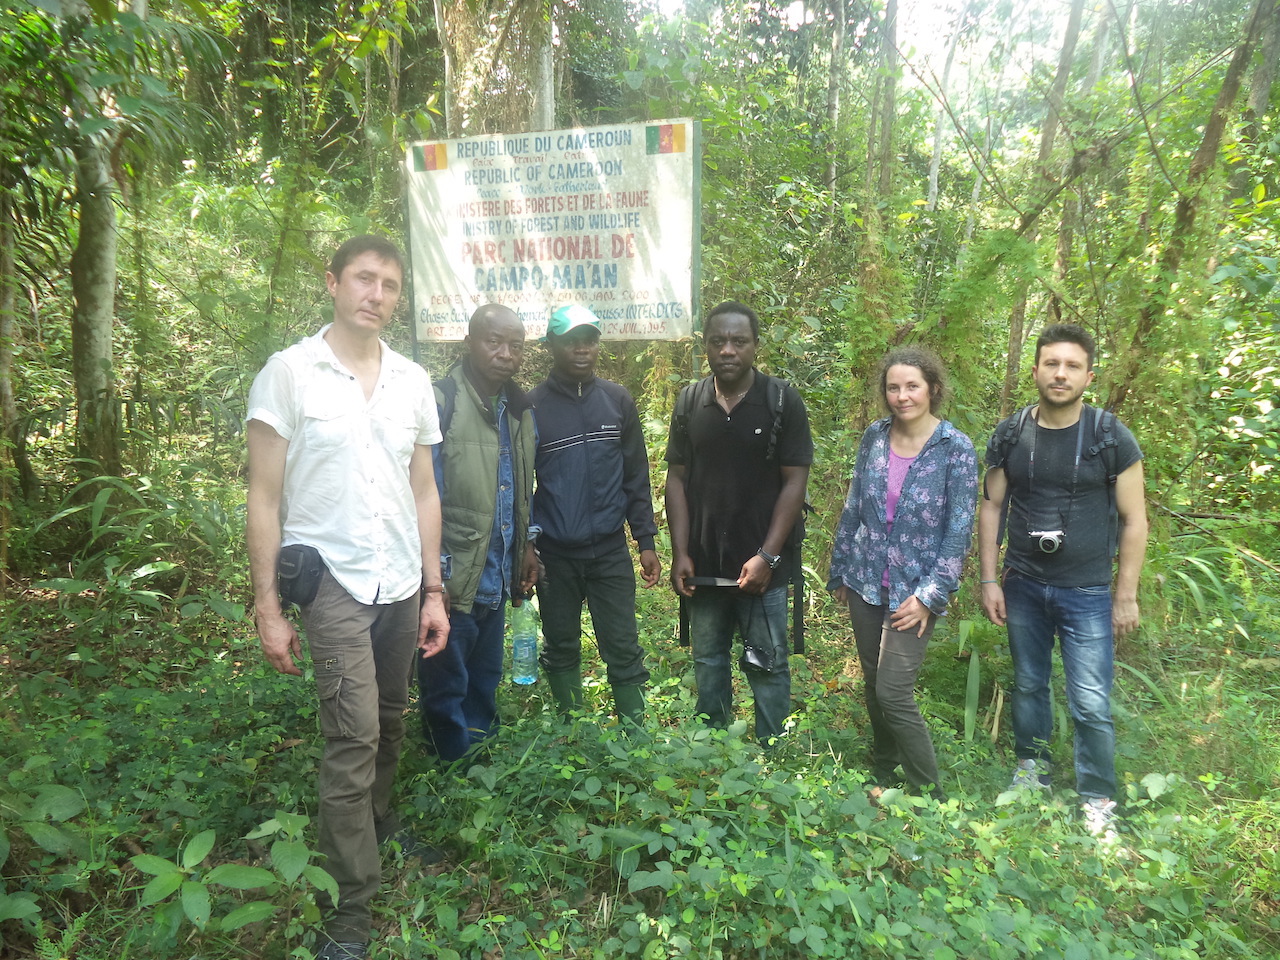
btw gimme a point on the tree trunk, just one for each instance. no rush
(543, 80)
(935, 162)
(10, 420)
(834, 71)
(452, 122)
(93, 283)
(889, 106)
(1161, 296)
(1048, 133)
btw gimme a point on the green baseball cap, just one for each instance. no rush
(564, 319)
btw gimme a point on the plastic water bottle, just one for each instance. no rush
(524, 643)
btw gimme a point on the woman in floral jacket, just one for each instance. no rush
(903, 535)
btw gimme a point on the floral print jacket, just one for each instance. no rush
(932, 527)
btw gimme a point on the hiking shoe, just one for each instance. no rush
(343, 951)
(411, 848)
(1031, 775)
(1100, 817)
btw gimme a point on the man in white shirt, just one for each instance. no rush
(340, 429)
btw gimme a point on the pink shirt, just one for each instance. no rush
(898, 467)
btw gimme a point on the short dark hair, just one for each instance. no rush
(1066, 333)
(381, 247)
(924, 360)
(732, 306)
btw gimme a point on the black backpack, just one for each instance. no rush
(694, 395)
(1104, 444)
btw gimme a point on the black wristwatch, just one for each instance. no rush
(769, 558)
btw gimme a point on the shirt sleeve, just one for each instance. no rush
(272, 398)
(428, 416)
(957, 534)
(1127, 450)
(635, 476)
(847, 528)
(795, 446)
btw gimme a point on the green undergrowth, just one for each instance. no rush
(163, 809)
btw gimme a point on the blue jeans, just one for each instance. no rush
(458, 687)
(714, 614)
(1081, 618)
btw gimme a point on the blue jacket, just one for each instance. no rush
(593, 470)
(932, 528)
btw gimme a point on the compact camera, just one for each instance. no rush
(1049, 541)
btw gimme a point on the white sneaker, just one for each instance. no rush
(1100, 818)
(1031, 775)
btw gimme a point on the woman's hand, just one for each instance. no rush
(912, 614)
(841, 593)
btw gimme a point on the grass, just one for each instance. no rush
(196, 777)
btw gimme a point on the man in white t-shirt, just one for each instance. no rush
(340, 429)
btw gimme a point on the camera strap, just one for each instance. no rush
(1075, 470)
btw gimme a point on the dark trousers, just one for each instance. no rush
(891, 660)
(608, 586)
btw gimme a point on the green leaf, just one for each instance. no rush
(67, 585)
(1156, 784)
(321, 879)
(15, 906)
(57, 802)
(4, 848)
(237, 876)
(254, 912)
(156, 866)
(49, 837)
(289, 857)
(195, 902)
(197, 849)
(160, 888)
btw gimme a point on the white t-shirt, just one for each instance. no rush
(346, 479)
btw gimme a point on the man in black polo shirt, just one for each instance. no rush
(731, 507)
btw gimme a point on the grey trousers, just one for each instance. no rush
(362, 654)
(891, 660)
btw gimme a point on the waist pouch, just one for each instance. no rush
(298, 573)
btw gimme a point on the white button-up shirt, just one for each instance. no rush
(346, 479)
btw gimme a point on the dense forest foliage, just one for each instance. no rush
(173, 177)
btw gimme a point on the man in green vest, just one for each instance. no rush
(484, 471)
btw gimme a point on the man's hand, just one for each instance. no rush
(993, 603)
(1124, 615)
(528, 572)
(912, 614)
(280, 642)
(755, 576)
(650, 568)
(433, 626)
(681, 568)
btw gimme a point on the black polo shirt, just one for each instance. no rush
(731, 488)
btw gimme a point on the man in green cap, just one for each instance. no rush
(593, 474)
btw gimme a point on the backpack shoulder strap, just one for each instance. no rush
(775, 390)
(1008, 433)
(1105, 443)
(446, 398)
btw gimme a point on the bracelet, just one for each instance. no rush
(433, 588)
(988, 581)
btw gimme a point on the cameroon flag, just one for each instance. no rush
(430, 156)
(664, 138)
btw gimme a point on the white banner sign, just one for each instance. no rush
(605, 216)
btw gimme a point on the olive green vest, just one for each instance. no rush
(470, 484)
